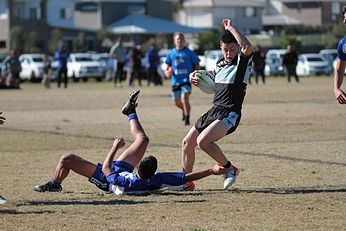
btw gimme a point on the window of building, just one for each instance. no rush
(250, 12)
(19, 10)
(136, 9)
(33, 13)
(87, 7)
(64, 13)
(2, 44)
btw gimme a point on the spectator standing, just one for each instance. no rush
(136, 59)
(62, 56)
(13, 68)
(118, 52)
(290, 60)
(259, 63)
(153, 58)
(47, 72)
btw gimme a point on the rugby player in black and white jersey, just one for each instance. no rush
(232, 73)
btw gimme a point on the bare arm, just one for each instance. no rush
(107, 164)
(244, 43)
(216, 170)
(338, 79)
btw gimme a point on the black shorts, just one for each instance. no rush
(230, 118)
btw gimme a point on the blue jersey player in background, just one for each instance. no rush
(119, 176)
(181, 61)
(340, 66)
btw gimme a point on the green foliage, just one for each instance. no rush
(208, 41)
(55, 38)
(290, 39)
(32, 43)
(334, 35)
(103, 34)
(79, 44)
(16, 38)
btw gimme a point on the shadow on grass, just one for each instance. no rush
(15, 212)
(284, 191)
(83, 202)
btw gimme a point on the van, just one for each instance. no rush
(273, 62)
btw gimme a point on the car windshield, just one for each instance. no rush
(37, 59)
(83, 59)
(315, 59)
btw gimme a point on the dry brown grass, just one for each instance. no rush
(290, 148)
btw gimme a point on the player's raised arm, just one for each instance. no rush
(244, 43)
(107, 164)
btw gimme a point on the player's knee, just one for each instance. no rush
(202, 143)
(187, 144)
(67, 158)
(143, 139)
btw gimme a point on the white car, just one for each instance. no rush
(313, 64)
(32, 66)
(329, 55)
(82, 66)
(211, 57)
(273, 62)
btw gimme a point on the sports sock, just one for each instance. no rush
(132, 116)
(54, 183)
(228, 165)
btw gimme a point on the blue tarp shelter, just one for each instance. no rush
(145, 24)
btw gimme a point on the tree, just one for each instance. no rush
(79, 44)
(32, 42)
(292, 40)
(334, 35)
(55, 38)
(16, 38)
(208, 41)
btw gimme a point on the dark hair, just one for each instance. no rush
(343, 10)
(147, 167)
(227, 37)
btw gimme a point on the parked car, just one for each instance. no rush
(82, 66)
(32, 67)
(329, 55)
(313, 64)
(273, 62)
(105, 61)
(211, 58)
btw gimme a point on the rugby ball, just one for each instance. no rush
(206, 81)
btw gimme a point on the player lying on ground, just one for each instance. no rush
(118, 176)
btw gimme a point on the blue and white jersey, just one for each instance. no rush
(129, 183)
(231, 81)
(342, 49)
(182, 63)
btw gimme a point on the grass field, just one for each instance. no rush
(290, 148)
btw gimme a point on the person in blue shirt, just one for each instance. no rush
(62, 56)
(119, 176)
(340, 66)
(181, 61)
(231, 73)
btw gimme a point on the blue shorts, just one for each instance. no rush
(183, 88)
(100, 180)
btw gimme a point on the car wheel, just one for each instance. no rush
(32, 77)
(74, 78)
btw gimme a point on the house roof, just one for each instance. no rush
(279, 20)
(145, 24)
(223, 3)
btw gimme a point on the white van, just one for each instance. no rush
(211, 58)
(32, 66)
(273, 62)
